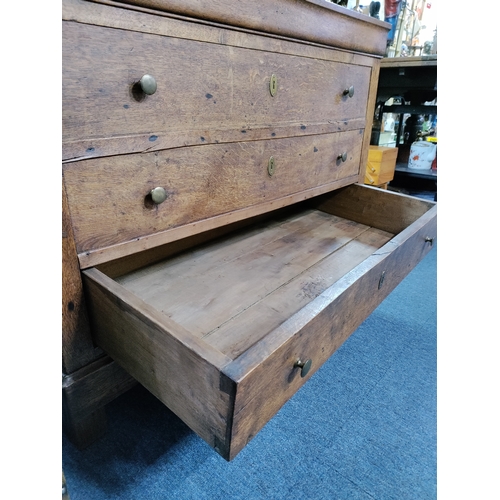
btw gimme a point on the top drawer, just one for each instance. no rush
(206, 93)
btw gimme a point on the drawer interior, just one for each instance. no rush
(233, 291)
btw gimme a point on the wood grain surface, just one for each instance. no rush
(206, 93)
(109, 197)
(164, 357)
(233, 292)
(77, 346)
(214, 332)
(265, 373)
(307, 20)
(393, 212)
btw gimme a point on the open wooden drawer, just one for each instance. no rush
(226, 332)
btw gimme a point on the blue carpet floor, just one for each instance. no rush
(363, 427)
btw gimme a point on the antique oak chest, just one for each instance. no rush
(218, 246)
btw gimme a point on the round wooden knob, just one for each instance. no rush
(159, 195)
(349, 91)
(148, 84)
(304, 366)
(342, 156)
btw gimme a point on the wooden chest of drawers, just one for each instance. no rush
(217, 246)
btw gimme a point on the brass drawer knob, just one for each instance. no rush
(342, 156)
(159, 195)
(305, 366)
(148, 84)
(349, 91)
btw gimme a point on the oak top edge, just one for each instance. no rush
(348, 12)
(321, 21)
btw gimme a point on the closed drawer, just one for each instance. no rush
(111, 205)
(217, 332)
(205, 93)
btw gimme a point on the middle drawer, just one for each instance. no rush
(111, 203)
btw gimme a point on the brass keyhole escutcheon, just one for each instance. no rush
(273, 85)
(271, 166)
(304, 366)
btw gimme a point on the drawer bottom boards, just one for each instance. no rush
(225, 333)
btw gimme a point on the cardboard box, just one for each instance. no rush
(380, 165)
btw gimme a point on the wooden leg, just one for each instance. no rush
(82, 432)
(85, 395)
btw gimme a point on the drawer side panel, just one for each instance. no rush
(319, 330)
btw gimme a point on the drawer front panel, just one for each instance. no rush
(205, 93)
(110, 201)
(180, 371)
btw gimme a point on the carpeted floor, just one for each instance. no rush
(363, 427)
